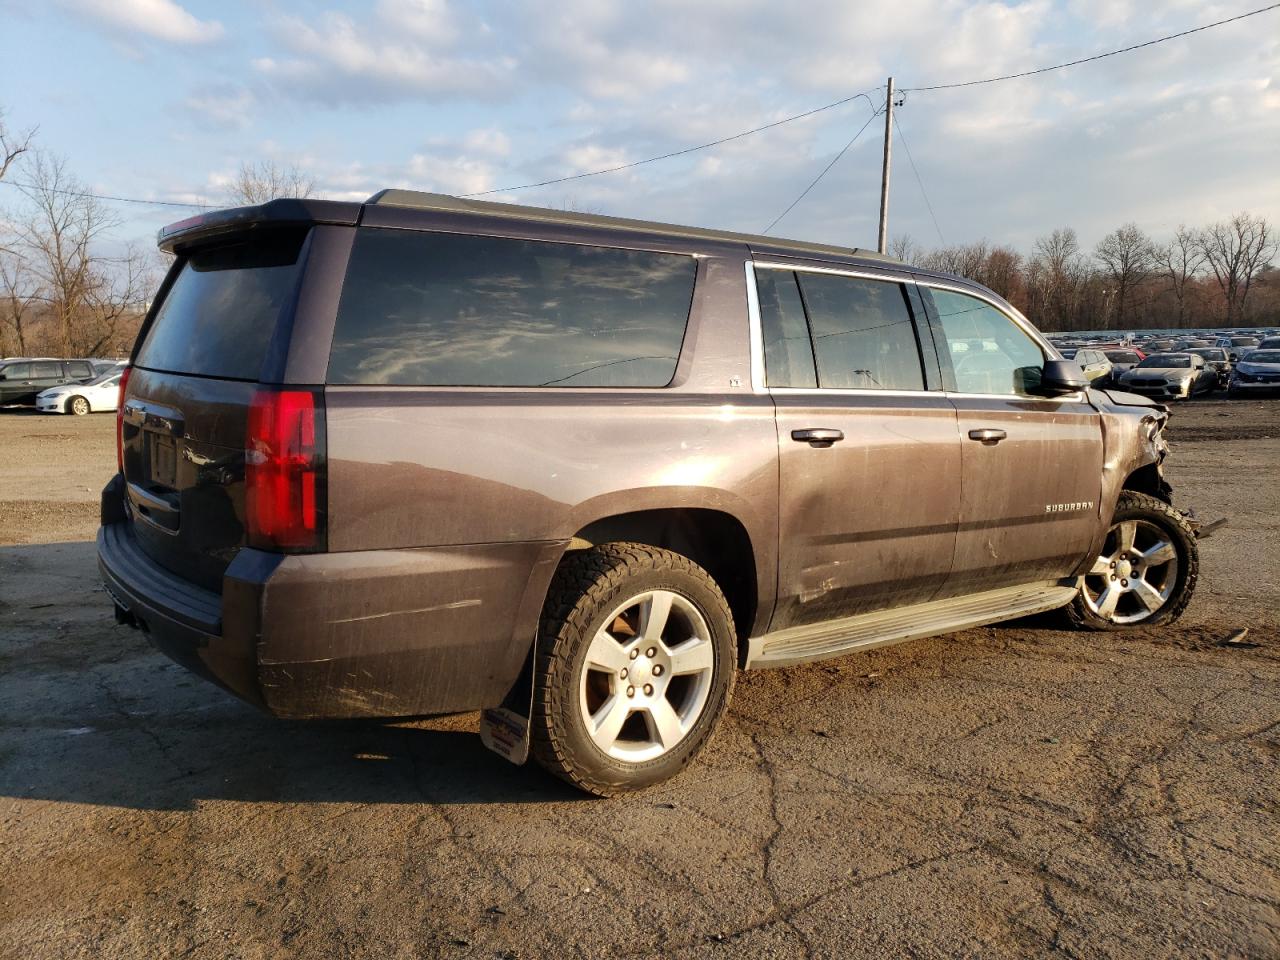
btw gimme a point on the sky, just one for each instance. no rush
(163, 99)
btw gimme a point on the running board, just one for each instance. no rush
(836, 637)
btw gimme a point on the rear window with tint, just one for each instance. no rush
(438, 309)
(218, 317)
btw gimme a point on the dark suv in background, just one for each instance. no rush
(22, 379)
(423, 455)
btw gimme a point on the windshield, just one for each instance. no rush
(111, 376)
(1263, 356)
(1166, 360)
(1122, 356)
(1215, 353)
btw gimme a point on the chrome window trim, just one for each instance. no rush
(759, 383)
(756, 344)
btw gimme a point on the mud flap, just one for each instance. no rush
(506, 730)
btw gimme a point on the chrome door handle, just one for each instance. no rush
(987, 435)
(817, 436)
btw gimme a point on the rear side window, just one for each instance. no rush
(863, 337)
(218, 316)
(788, 352)
(17, 371)
(438, 309)
(46, 371)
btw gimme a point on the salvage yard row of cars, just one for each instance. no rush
(61, 386)
(1165, 368)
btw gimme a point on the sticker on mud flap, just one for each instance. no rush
(506, 733)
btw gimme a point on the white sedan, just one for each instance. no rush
(92, 396)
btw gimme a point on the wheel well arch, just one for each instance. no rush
(1147, 479)
(716, 541)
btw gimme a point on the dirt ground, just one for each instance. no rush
(1009, 791)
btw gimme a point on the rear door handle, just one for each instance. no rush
(818, 436)
(987, 435)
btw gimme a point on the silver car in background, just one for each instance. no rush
(1257, 372)
(1169, 376)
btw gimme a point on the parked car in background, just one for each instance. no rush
(1122, 360)
(1269, 343)
(1217, 360)
(92, 396)
(1169, 376)
(1257, 372)
(22, 380)
(1096, 366)
(1237, 346)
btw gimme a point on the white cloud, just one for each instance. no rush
(161, 19)
(222, 107)
(396, 55)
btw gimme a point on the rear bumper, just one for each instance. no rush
(376, 633)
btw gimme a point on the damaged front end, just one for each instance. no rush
(1135, 448)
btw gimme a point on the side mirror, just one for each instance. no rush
(1061, 376)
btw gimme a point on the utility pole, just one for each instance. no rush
(884, 177)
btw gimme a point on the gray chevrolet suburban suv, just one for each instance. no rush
(423, 455)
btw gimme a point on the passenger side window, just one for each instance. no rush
(989, 352)
(863, 336)
(788, 352)
(18, 371)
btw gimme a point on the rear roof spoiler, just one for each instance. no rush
(275, 213)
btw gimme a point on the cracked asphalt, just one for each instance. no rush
(1020, 790)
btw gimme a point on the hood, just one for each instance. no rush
(57, 391)
(1122, 399)
(1244, 366)
(1177, 373)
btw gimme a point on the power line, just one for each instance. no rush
(834, 161)
(679, 153)
(744, 133)
(103, 196)
(924, 193)
(1096, 56)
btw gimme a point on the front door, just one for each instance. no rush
(1032, 465)
(869, 457)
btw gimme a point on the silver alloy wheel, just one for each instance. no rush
(647, 676)
(1135, 576)
(79, 406)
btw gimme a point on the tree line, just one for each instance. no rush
(1220, 275)
(69, 287)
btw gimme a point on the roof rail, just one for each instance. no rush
(445, 203)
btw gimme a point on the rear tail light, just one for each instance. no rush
(284, 470)
(124, 385)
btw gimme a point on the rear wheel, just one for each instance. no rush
(635, 667)
(1146, 573)
(78, 405)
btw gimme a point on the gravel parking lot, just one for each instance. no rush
(1009, 791)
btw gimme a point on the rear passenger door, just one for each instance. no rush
(869, 457)
(1032, 464)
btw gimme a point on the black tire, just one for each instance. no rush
(588, 587)
(1150, 510)
(78, 405)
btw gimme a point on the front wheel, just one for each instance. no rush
(635, 666)
(78, 405)
(1146, 573)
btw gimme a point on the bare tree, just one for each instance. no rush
(1056, 278)
(903, 248)
(61, 262)
(1128, 257)
(12, 145)
(1179, 262)
(19, 299)
(259, 182)
(1236, 252)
